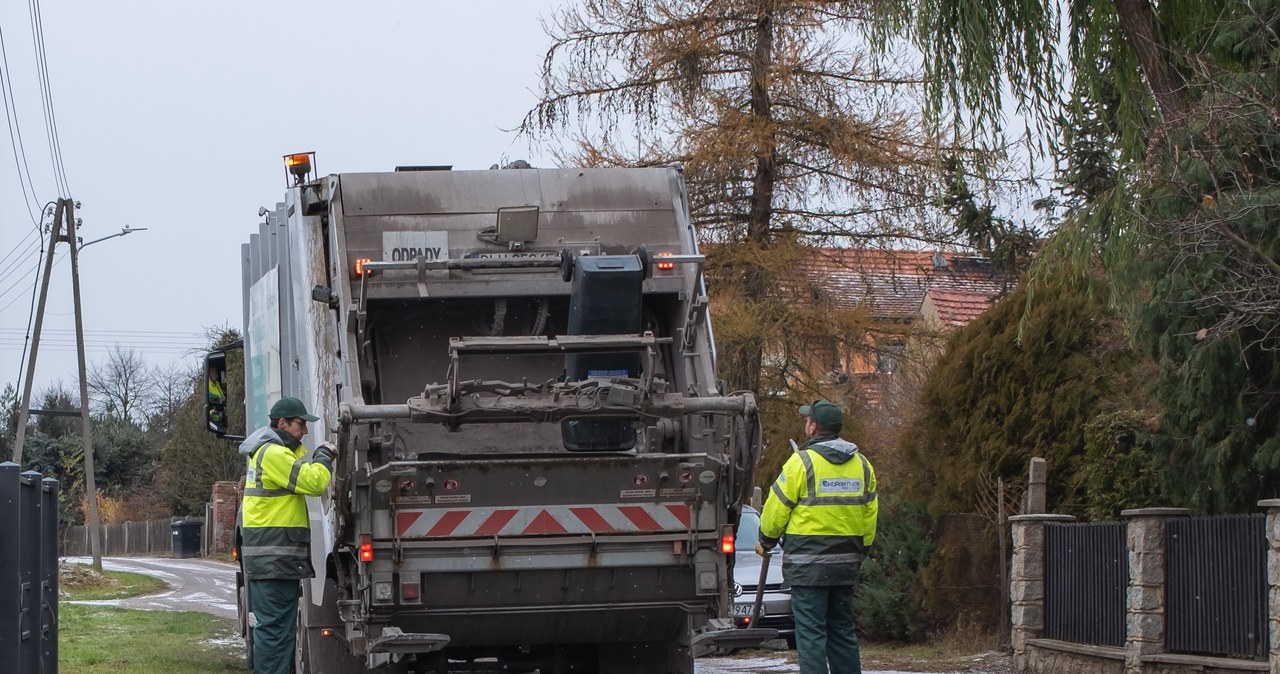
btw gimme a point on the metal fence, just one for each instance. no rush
(1216, 591)
(28, 571)
(1086, 579)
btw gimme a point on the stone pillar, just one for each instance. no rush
(1145, 600)
(1272, 507)
(1037, 489)
(1026, 582)
(226, 505)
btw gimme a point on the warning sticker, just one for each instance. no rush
(414, 500)
(639, 493)
(676, 492)
(453, 498)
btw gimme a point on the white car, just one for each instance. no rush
(775, 608)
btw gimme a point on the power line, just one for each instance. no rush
(46, 99)
(18, 283)
(15, 135)
(168, 334)
(31, 309)
(16, 246)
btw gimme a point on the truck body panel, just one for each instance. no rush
(536, 460)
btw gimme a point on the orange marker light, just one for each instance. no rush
(298, 163)
(360, 263)
(326, 632)
(664, 266)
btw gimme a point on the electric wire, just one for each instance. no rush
(31, 309)
(15, 134)
(46, 100)
(13, 269)
(16, 246)
(18, 284)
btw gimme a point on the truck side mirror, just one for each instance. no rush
(215, 405)
(216, 386)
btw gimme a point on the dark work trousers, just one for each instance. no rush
(275, 605)
(824, 629)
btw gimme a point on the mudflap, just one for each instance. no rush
(721, 636)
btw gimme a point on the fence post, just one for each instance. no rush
(49, 585)
(10, 576)
(1144, 603)
(1026, 582)
(1272, 507)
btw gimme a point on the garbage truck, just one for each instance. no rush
(538, 467)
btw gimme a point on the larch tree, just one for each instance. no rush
(789, 137)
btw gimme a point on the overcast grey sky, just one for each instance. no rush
(174, 117)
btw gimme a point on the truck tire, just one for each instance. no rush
(246, 626)
(315, 653)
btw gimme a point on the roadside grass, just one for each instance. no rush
(95, 639)
(81, 581)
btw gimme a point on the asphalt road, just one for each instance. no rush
(194, 584)
(210, 587)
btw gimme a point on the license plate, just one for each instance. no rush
(744, 610)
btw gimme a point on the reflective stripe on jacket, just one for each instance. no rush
(275, 532)
(824, 501)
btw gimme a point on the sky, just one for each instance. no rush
(174, 117)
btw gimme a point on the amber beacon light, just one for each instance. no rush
(298, 166)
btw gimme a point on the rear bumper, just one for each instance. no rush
(517, 625)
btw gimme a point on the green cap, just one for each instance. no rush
(824, 413)
(292, 408)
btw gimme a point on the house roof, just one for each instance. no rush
(892, 284)
(956, 308)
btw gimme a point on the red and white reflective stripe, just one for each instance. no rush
(531, 520)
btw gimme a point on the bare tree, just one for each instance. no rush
(122, 386)
(171, 387)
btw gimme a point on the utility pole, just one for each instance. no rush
(66, 210)
(95, 545)
(21, 430)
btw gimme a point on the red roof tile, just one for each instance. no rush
(957, 307)
(892, 284)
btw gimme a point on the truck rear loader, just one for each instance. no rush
(538, 468)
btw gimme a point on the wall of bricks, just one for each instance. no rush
(226, 505)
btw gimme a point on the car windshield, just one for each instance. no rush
(748, 530)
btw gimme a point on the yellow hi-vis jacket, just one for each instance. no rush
(274, 529)
(823, 506)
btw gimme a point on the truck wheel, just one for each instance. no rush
(246, 625)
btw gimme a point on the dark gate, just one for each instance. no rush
(28, 572)
(1216, 590)
(1086, 578)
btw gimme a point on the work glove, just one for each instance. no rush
(326, 451)
(760, 549)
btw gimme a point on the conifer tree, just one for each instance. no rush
(787, 135)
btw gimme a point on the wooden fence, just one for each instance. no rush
(123, 539)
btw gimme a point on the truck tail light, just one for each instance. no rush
(410, 591)
(359, 269)
(366, 548)
(726, 540)
(663, 266)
